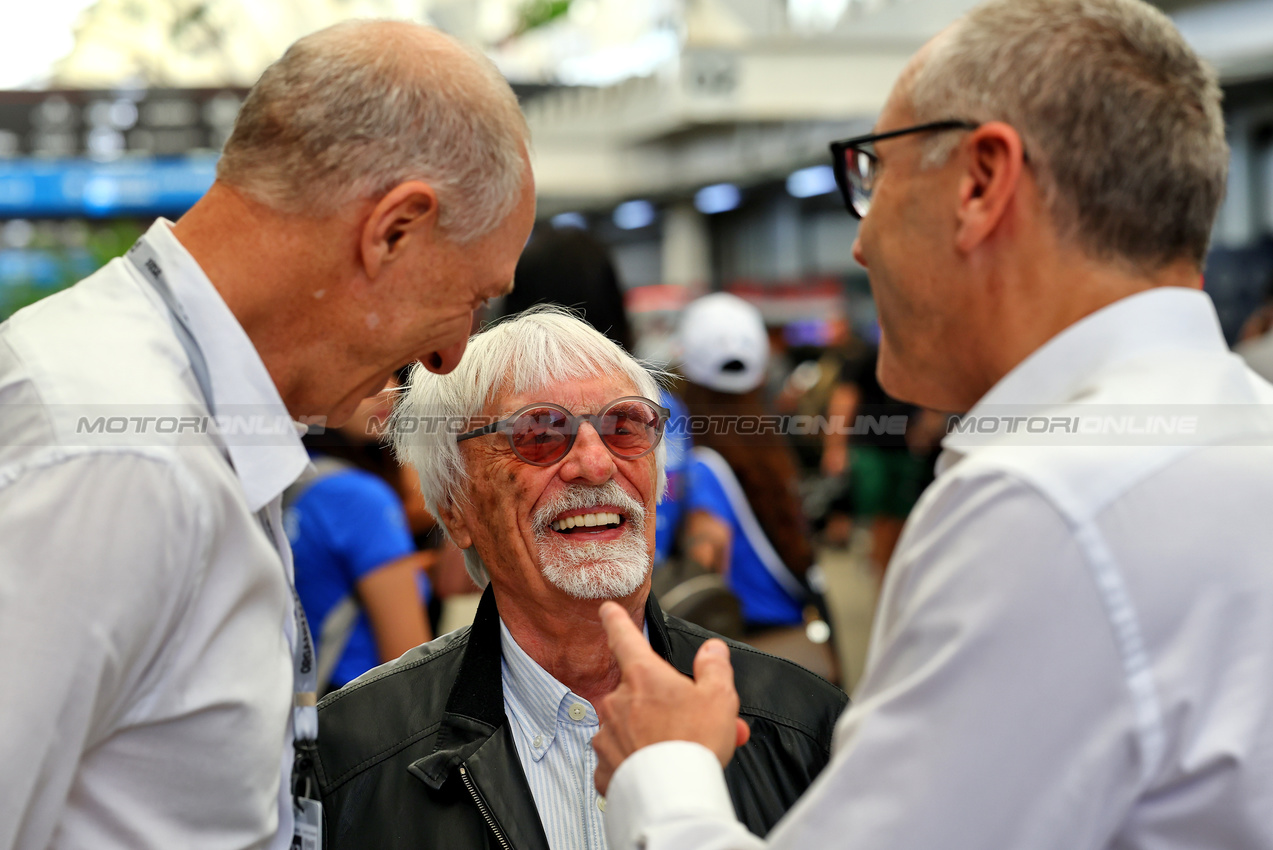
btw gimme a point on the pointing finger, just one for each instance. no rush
(625, 639)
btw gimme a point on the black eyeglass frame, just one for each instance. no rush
(839, 162)
(573, 421)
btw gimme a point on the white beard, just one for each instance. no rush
(594, 569)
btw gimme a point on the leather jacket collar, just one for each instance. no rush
(474, 732)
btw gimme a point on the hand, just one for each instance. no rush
(656, 703)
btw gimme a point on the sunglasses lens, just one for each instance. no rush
(630, 428)
(541, 435)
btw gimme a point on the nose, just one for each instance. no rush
(589, 460)
(444, 360)
(857, 248)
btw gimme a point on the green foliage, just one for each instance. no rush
(537, 13)
(65, 264)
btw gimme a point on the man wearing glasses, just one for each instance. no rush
(1073, 642)
(542, 455)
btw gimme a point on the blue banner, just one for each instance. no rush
(34, 188)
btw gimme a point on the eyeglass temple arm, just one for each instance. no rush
(481, 432)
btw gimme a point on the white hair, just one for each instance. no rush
(353, 110)
(1120, 119)
(522, 354)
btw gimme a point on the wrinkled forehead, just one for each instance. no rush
(588, 394)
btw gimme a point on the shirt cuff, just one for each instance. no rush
(661, 783)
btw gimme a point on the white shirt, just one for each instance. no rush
(1258, 354)
(553, 728)
(1074, 645)
(145, 617)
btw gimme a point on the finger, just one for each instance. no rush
(602, 745)
(601, 779)
(742, 733)
(711, 664)
(626, 641)
(603, 710)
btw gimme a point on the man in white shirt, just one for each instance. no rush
(376, 189)
(1073, 645)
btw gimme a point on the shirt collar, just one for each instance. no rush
(267, 464)
(534, 691)
(1064, 368)
(541, 702)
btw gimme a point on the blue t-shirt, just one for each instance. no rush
(764, 601)
(344, 527)
(676, 435)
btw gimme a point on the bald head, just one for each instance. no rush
(353, 110)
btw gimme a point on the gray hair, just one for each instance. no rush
(353, 110)
(1120, 118)
(522, 354)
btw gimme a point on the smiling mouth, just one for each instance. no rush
(584, 523)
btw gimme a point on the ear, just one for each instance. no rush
(407, 211)
(995, 159)
(452, 516)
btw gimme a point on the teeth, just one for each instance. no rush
(587, 520)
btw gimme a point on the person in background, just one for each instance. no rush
(571, 268)
(743, 512)
(358, 574)
(1255, 339)
(375, 190)
(885, 477)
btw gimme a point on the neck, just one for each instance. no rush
(1042, 295)
(270, 269)
(567, 639)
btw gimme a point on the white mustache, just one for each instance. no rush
(582, 496)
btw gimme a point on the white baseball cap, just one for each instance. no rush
(724, 345)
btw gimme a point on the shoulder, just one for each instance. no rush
(102, 364)
(354, 483)
(1137, 419)
(769, 687)
(387, 708)
(103, 339)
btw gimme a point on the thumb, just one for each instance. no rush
(711, 664)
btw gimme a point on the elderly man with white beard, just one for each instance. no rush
(541, 454)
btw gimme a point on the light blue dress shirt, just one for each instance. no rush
(553, 730)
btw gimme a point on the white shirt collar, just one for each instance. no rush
(1062, 369)
(240, 382)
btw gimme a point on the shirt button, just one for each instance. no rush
(578, 712)
(538, 742)
(601, 803)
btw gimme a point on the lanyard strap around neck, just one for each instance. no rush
(305, 674)
(144, 258)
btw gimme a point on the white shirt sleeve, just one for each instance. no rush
(993, 712)
(96, 555)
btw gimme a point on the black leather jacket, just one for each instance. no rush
(418, 753)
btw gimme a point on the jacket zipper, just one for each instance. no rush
(481, 807)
